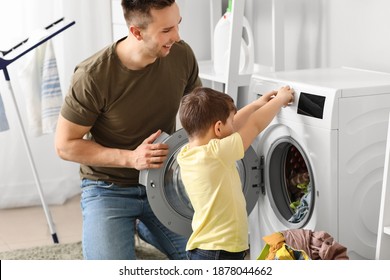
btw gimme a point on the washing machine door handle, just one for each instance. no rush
(166, 193)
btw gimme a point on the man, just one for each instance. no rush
(120, 100)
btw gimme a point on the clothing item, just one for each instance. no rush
(3, 117)
(145, 234)
(318, 244)
(40, 82)
(303, 208)
(124, 106)
(212, 182)
(288, 253)
(274, 241)
(276, 249)
(109, 215)
(198, 254)
(51, 94)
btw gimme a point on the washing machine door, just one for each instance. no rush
(288, 177)
(166, 193)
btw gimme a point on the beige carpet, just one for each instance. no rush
(72, 251)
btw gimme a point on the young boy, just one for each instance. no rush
(218, 137)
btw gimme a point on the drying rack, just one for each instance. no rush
(3, 66)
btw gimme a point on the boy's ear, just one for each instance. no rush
(217, 129)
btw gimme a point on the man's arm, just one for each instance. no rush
(71, 145)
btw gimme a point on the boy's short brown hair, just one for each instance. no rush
(202, 108)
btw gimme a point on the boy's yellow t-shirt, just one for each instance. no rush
(213, 185)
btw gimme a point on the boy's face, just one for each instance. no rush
(228, 128)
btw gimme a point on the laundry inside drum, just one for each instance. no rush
(298, 186)
(290, 186)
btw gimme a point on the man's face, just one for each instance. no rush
(162, 32)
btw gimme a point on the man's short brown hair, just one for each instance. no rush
(137, 12)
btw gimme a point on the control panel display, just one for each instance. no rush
(311, 105)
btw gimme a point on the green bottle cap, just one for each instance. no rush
(229, 8)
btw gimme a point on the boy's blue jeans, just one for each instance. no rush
(109, 215)
(198, 254)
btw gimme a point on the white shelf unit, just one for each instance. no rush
(383, 242)
(232, 80)
(206, 71)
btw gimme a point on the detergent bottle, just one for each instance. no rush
(221, 44)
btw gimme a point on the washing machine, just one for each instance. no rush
(317, 166)
(321, 159)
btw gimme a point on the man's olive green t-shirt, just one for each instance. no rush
(124, 106)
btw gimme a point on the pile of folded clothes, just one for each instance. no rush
(302, 244)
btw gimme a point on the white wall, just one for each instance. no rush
(359, 34)
(195, 26)
(321, 33)
(91, 32)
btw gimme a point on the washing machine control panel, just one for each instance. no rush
(315, 106)
(311, 105)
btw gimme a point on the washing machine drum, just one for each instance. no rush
(166, 192)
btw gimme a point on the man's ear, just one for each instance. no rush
(136, 32)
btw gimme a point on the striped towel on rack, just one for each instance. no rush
(50, 91)
(39, 81)
(3, 118)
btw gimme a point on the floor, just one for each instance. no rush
(27, 227)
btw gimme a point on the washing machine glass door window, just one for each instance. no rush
(174, 190)
(290, 188)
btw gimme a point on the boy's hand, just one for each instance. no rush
(287, 94)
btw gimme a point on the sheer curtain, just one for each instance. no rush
(92, 31)
(18, 19)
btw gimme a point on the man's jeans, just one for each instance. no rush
(109, 217)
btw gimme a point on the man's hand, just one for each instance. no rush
(149, 155)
